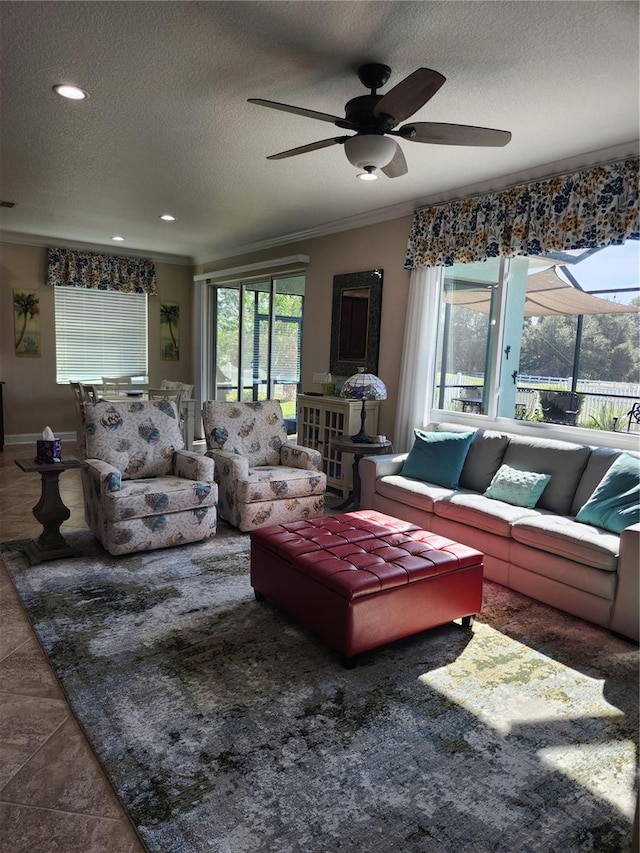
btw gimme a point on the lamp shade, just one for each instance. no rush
(364, 386)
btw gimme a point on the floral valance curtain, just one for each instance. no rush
(587, 209)
(69, 268)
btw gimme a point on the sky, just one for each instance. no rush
(611, 267)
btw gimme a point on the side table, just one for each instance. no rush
(50, 511)
(343, 444)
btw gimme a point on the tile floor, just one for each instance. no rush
(53, 793)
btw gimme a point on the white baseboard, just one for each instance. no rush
(31, 438)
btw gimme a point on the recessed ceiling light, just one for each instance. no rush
(117, 237)
(71, 93)
(167, 217)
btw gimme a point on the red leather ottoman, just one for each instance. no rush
(363, 579)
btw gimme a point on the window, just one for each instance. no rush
(99, 333)
(543, 339)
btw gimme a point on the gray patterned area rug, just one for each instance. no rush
(226, 727)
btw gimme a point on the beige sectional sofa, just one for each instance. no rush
(543, 551)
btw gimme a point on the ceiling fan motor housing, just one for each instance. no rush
(359, 113)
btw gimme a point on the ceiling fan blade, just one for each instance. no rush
(398, 166)
(409, 95)
(313, 146)
(300, 111)
(454, 134)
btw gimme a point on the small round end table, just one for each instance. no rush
(344, 444)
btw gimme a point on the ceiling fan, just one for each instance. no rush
(374, 118)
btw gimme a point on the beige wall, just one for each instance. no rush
(32, 399)
(382, 246)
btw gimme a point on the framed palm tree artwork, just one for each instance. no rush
(26, 322)
(169, 331)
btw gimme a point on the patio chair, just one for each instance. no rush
(262, 478)
(141, 489)
(634, 415)
(560, 407)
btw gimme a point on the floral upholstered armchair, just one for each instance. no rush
(141, 489)
(262, 478)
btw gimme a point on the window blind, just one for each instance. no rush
(99, 333)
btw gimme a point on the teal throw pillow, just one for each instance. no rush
(615, 504)
(518, 488)
(437, 457)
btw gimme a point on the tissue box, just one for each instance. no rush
(48, 451)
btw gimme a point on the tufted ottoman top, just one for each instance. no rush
(363, 553)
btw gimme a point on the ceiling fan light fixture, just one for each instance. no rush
(368, 175)
(370, 149)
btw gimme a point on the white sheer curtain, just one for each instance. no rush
(415, 392)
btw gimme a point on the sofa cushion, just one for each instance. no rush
(566, 582)
(615, 504)
(567, 538)
(477, 511)
(563, 460)
(437, 457)
(600, 460)
(411, 492)
(519, 488)
(485, 456)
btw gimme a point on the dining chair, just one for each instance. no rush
(82, 395)
(187, 390)
(115, 385)
(173, 394)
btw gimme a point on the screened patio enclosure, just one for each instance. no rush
(532, 364)
(258, 340)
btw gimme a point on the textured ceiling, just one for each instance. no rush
(168, 126)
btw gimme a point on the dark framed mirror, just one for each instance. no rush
(355, 322)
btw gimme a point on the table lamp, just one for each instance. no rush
(363, 386)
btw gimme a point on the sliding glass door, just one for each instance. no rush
(258, 340)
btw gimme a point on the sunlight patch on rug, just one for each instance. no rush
(557, 705)
(613, 763)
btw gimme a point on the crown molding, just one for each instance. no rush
(52, 243)
(371, 217)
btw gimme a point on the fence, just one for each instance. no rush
(604, 405)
